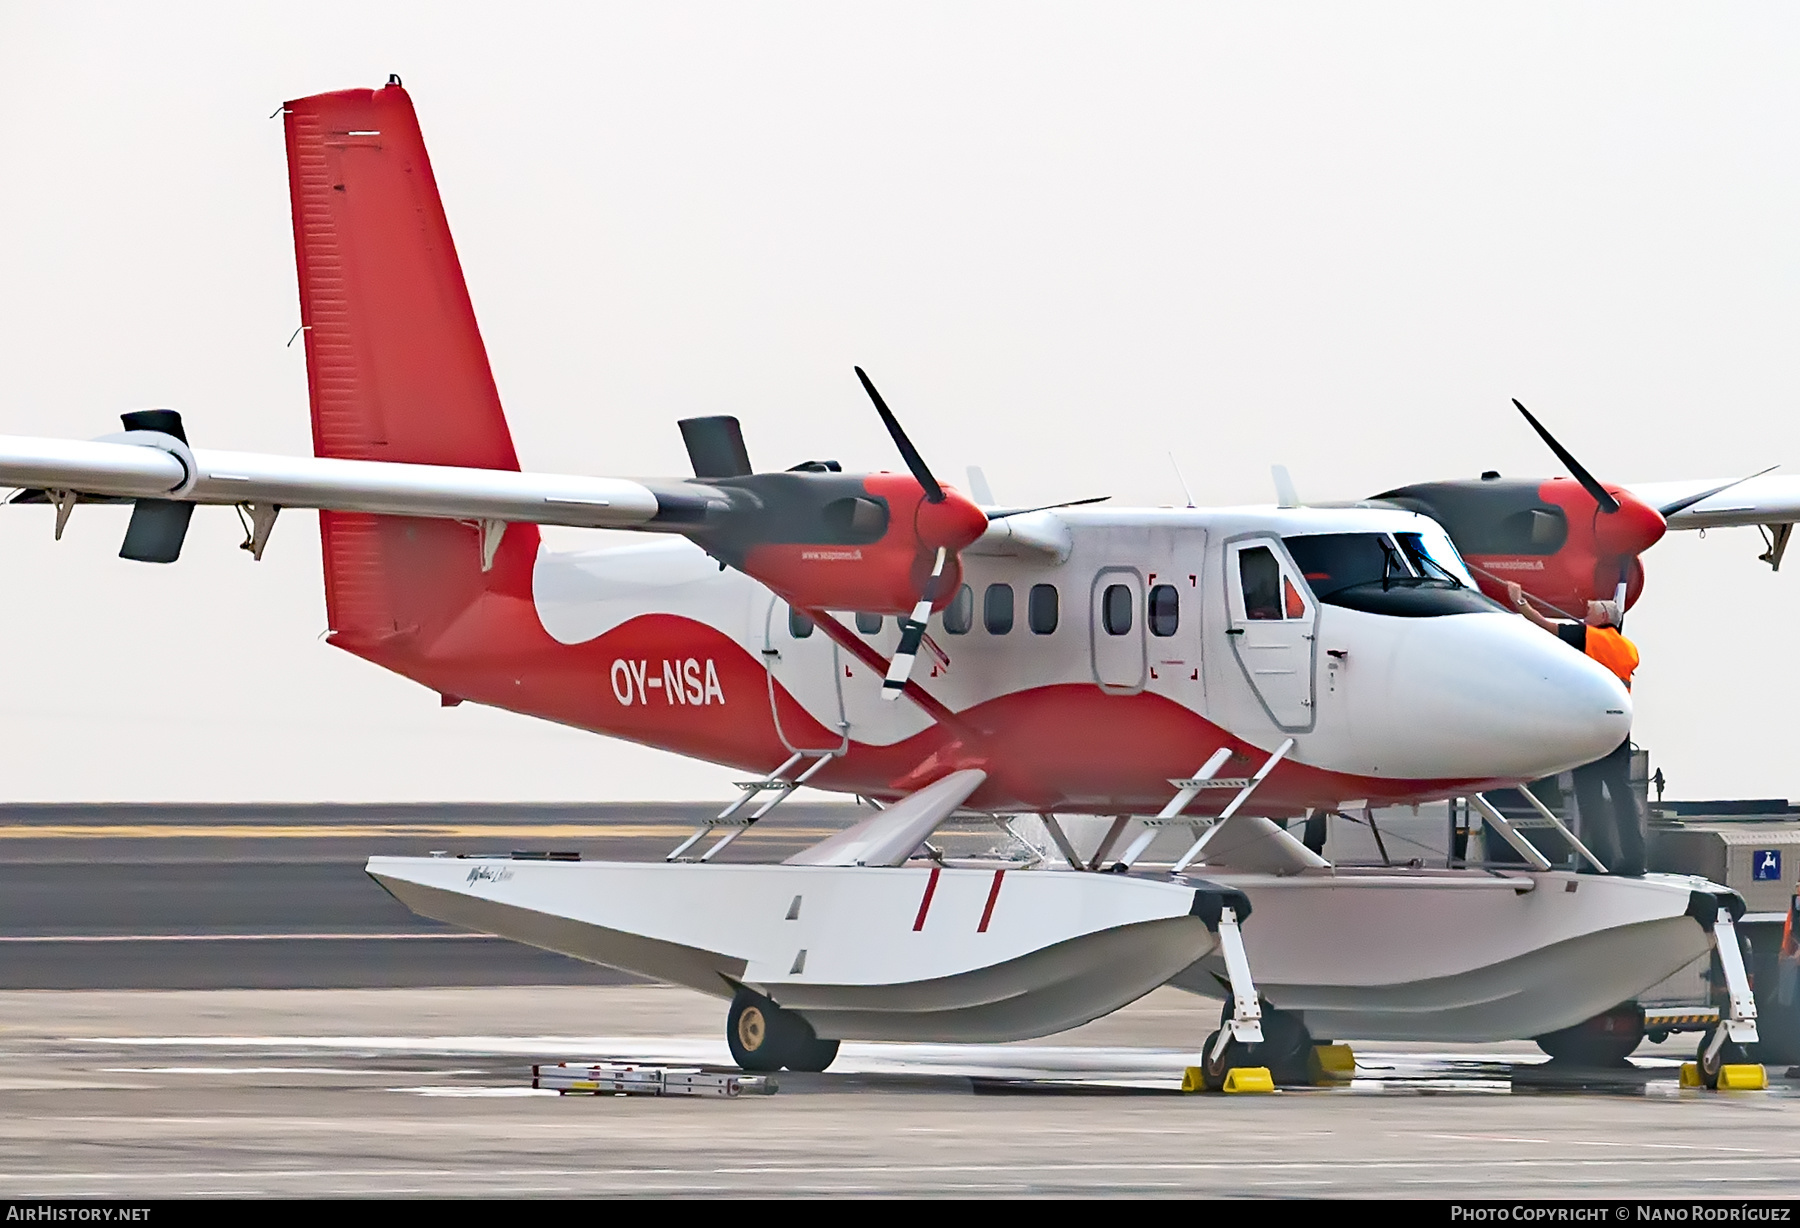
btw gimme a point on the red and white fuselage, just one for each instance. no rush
(657, 643)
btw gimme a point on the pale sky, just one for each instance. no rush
(1064, 239)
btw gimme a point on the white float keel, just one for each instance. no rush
(913, 952)
(1468, 955)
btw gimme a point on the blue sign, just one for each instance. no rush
(1765, 865)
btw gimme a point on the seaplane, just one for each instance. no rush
(1206, 673)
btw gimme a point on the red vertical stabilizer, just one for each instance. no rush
(395, 364)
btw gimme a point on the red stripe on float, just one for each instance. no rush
(925, 904)
(987, 913)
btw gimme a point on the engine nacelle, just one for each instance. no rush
(828, 541)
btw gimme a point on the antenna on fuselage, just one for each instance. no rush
(1176, 466)
(1284, 487)
(978, 487)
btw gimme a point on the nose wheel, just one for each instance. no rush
(1715, 1054)
(764, 1038)
(1286, 1051)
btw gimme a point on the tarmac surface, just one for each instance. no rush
(426, 1092)
(219, 1002)
(275, 897)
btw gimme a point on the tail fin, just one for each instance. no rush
(394, 360)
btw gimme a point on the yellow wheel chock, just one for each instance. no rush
(1329, 1064)
(1733, 1077)
(1238, 1079)
(1743, 1077)
(1249, 1079)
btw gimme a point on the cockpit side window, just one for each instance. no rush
(1291, 598)
(1382, 573)
(1419, 553)
(1260, 575)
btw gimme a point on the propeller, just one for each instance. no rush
(1617, 536)
(912, 627)
(715, 446)
(912, 632)
(933, 492)
(1001, 513)
(1589, 482)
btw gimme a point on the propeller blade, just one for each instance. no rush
(912, 633)
(1588, 481)
(1001, 513)
(716, 447)
(933, 492)
(1681, 505)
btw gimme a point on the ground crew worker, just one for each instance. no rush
(1598, 635)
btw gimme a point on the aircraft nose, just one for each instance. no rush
(1497, 697)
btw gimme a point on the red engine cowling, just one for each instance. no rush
(1600, 549)
(1549, 536)
(887, 575)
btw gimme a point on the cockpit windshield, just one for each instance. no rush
(1383, 573)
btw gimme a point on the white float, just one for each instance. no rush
(916, 952)
(1461, 955)
(864, 941)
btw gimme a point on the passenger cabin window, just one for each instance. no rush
(997, 609)
(1115, 609)
(869, 624)
(1040, 609)
(799, 625)
(1165, 610)
(1261, 577)
(959, 615)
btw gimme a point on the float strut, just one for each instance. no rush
(1739, 1023)
(1245, 1023)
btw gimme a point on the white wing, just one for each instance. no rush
(166, 469)
(1771, 499)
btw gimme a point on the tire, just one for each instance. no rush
(765, 1038)
(1730, 1054)
(812, 1055)
(1603, 1041)
(1235, 1055)
(754, 1033)
(1285, 1049)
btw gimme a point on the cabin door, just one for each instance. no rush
(1272, 626)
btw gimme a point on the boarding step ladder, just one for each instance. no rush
(1187, 789)
(732, 822)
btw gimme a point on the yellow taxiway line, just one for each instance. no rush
(417, 831)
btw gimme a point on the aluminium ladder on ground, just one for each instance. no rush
(634, 1079)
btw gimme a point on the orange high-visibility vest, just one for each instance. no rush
(1609, 647)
